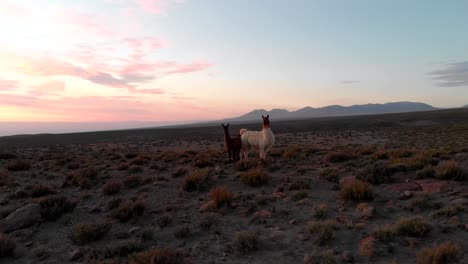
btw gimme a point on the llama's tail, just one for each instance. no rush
(242, 131)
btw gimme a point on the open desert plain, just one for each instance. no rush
(366, 189)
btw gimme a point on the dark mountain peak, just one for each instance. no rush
(338, 110)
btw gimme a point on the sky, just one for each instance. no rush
(186, 60)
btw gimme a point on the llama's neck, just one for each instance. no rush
(227, 137)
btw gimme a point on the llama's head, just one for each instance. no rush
(266, 121)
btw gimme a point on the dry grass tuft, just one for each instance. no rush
(255, 177)
(129, 209)
(112, 187)
(87, 232)
(221, 196)
(339, 156)
(450, 170)
(323, 230)
(53, 207)
(413, 227)
(447, 252)
(39, 190)
(159, 256)
(196, 181)
(119, 249)
(5, 178)
(18, 165)
(357, 191)
(292, 152)
(7, 246)
(245, 242)
(179, 172)
(84, 177)
(330, 174)
(132, 181)
(183, 231)
(320, 211)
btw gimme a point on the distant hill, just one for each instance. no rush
(337, 110)
(466, 106)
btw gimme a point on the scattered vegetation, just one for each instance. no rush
(83, 177)
(245, 242)
(7, 246)
(447, 252)
(53, 207)
(221, 196)
(112, 187)
(39, 190)
(450, 170)
(330, 174)
(413, 227)
(18, 165)
(158, 256)
(88, 232)
(165, 219)
(4, 178)
(339, 156)
(292, 152)
(119, 249)
(324, 231)
(132, 181)
(196, 181)
(320, 211)
(447, 211)
(183, 231)
(129, 209)
(255, 177)
(357, 191)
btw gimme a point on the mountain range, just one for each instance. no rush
(336, 110)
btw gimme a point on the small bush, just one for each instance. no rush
(221, 196)
(7, 246)
(300, 184)
(425, 202)
(196, 181)
(245, 165)
(413, 227)
(245, 242)
(379, 155)
(323, 230)
(183, 231)
(112, 187)
(129, 209)
(159, 256)
(320, 211)
(377, 173)
(339, 156)
(53, 207)
(255, 177)
(18, 165)
(447, 252)
(208, 220)
(86, 232)
(4, 178)
(447, 211)
(140, 160)
(39, 190)
(426, 172)
(299, 195)
(357, 191)
(119, 249)
(421, 160)
(330, 174)
(181, 171)
(203, 161)
(450, 170)
(165, 220)
(84, 177)
(292, 152)
(132, 181)
(113, 203)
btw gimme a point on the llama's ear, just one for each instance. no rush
(263, 116)
(222, 124)
(268, 116)
(227, 125)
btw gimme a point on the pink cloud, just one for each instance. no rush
(48, 88)
(152, 6)
(83, 22)
(13, 10)
(186, 68)
(8, 85)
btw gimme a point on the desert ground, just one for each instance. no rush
(366, 189)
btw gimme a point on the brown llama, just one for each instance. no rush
(232, 144)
